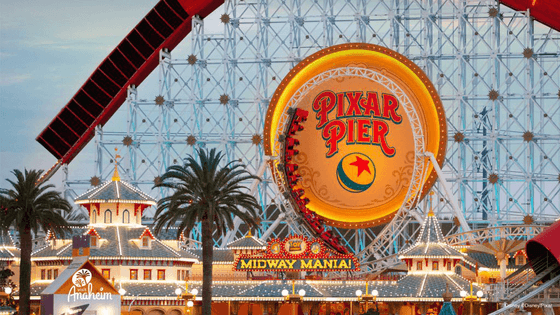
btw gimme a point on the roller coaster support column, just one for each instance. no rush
(456, 209)
(236, 222)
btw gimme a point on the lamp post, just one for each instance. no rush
(7, 292)
(368, 297)
(189, 297)
(294, 297)
(471, 298)
(122, 292)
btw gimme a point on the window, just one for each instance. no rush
(43, 274)
(55, 274)
(126, 217)
(520, 260)
(435, 265)
(108, 216)
(93, 241)
(181, 275)
(161, 274)
(145, 242)
(106, 273)
(458, 270)
(133, 274)
(147, 274)
(449, 266)
(419, 265)
(93, 216)
(49, 274)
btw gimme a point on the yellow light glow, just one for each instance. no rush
(404, 74)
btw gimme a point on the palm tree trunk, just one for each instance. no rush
(25, 270)
(207, 258)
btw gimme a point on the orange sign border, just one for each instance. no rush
(271, 125)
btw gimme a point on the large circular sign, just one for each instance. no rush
(346, 127)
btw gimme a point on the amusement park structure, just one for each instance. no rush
(496, 70)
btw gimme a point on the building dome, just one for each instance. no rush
(115, 202)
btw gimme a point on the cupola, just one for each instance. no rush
(115, 202)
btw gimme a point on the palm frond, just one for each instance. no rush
(200, 188)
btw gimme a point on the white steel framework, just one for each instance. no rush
(496, 70)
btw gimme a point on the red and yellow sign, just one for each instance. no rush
(346, 125)
(296, 253)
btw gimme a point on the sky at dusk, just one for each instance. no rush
(47, 51)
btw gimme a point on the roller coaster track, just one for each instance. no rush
(136, 56)
(512, 232)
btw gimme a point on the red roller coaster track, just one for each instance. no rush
(129, 63)
(545, 11)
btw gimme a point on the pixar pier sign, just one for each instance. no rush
(359, 119)
(346, 130)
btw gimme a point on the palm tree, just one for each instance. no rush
(28, 206)
(204, 192)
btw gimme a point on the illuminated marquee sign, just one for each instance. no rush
(345, 128)
(296, 253)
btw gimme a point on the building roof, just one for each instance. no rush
(115, 191)
(8, 249)
(66, 275)
(489, 261)
(6, 310)
(430, 242)
(410, 288)
(431, 250)
(431, 231)
(221, 255)
(433, 285)
(274, 289)
(36, 288)
(247, 242)
(118, 241)
(169, 234)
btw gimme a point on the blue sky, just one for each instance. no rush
(47, 51)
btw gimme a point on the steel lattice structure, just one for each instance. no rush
(496, 70)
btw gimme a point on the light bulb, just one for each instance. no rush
(463, 293)
(375, 293)
(359, 292)
(302, 292)
(194, 291)
(122, 291)
(8, 290)
(178, 291)
(479, 294)
(285, 292)
(190, 303)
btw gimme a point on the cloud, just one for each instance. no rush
(4, 55)
(10, 79)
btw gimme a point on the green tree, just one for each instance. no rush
(207, 193)
(28, 206)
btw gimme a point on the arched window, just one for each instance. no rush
(108, 216)
(94, 216)
(458, 270)
(126, 217)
